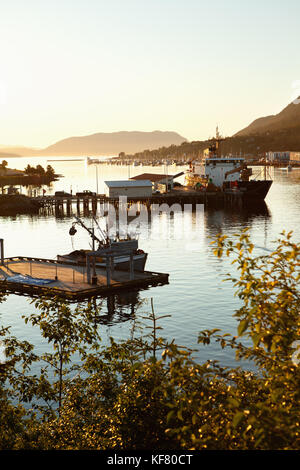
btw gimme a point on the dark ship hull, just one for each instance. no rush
(257, 190)
(252, 190)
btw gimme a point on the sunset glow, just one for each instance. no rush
(79, 67)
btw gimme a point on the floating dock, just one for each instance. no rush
(43, 277)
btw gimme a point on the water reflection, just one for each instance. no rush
(115, 309)
(245, 216)
(121, 308)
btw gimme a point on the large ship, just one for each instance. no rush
(121, 248)
(225, 173)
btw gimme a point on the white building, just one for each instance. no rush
(159, 182)
(129, 188)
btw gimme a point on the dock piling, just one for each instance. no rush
(2, 251)
(131, 267)
(88, 270)
(94, 277)
(108, 270)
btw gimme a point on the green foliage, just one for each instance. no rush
(148, 393)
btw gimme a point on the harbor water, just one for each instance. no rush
(197, 296)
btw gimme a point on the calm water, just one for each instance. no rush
(196, 298)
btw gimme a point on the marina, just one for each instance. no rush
(200, 298)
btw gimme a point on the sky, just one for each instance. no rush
(77, 67)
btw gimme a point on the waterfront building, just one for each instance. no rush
(159, 181)
(129, 188)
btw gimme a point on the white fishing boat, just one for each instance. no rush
(121, 249)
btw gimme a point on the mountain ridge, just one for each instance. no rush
(287, 118)
(279, 132)
(103, 143)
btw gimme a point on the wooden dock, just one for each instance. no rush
(43, 277)
(63, 205)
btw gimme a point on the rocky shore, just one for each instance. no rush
(17, 204)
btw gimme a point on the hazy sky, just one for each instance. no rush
(76, 67)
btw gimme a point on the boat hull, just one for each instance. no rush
(121, 262)
(252, 190)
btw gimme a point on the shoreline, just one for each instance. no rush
(14, 204)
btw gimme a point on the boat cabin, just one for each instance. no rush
(219, 170)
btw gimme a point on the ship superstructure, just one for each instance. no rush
(224, 173)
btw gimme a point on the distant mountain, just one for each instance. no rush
(5, 154)
(288, 118)
(100, 144)
(10, 151)
(112, 143)
(275, 132)
(279, 132)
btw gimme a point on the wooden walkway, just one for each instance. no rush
(67, 205)
(19, 274)
(175, 196)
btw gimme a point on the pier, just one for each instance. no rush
(61, 205)
(38, 276)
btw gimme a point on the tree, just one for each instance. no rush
(40, 170)
(50, 173)
(29, 170)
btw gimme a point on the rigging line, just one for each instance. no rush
(99, 228)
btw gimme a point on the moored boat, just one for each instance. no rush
(123, 251)
(225, 173)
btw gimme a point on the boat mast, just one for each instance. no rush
(90, 231)
(104, 235)
(214, 146)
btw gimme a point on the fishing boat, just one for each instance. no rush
(225, 173)
(122, 250)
